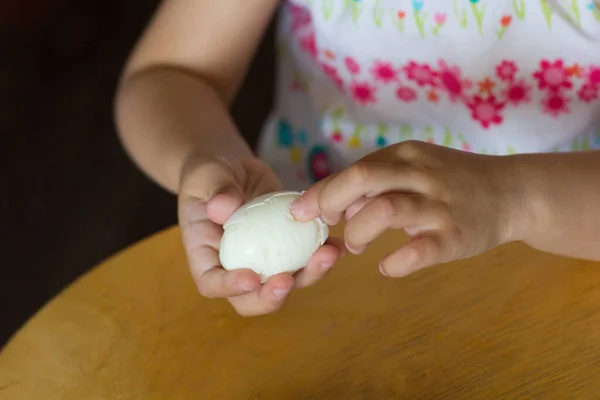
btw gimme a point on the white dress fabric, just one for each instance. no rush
(487, 76)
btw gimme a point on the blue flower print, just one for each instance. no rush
(285, 134)
(418, 4)
(302, 137)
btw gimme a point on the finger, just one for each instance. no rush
(356, 207)
(269, 298)
(368, 180)
(224, 204)
(209, 177)
(201, 244)
(218, 283)
(306, 207)
(210, 190)
(420, 253)
(320, 264)
(393, 211)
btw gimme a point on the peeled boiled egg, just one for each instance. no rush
(264, 236)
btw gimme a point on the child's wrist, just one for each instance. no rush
(522, 185)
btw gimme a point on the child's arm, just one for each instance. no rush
(179, 81)
(455, 204)
(561, 194)
(172, 113)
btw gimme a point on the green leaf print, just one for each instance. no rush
(338, 113)
(510, 150)
(328, 6)
(585, 145)
(427, 134)
(575, 145)
(378, 14)
(337, 116)
(478, 13)
(447, 137)
(381, 129)
(547, 10)
(581, 144)
(461, 14)
(355, 8)
(406, 132)
(519, 8)
(573, 6)
(596, 12)
(420, 18)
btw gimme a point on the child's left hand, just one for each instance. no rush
(453, 204)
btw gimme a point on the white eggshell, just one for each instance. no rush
(263, 236)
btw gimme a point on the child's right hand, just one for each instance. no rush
(211, 189)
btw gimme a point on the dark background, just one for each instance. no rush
(70, 197)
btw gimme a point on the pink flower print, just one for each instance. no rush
(506, 70)
(363, 92)
(422, 74)
(297, 86)
(588, 92)
(300, 16)
(486, 110)
(555, 103)
(406, 94)
(594, 76)
(319, 167)
(452, 81)
(467, 147)
(352, 66)
(333, 74)
(552, 76)
(518, 92)
(308, 43)
(384, 72)
(337, 137)
(439, 18)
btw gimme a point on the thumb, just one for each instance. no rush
(224, 203)
(216, 183)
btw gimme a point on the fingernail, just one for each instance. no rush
(355, 251)
(382, 271)
(280, 293)
(327, 265)
(298, 208)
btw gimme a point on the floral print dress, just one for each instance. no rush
(487, 76)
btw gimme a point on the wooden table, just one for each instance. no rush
(512, 324)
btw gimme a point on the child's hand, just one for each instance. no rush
(453, 204)
(211, 190)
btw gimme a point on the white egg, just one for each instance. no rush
(264, 236)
